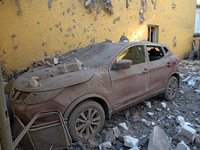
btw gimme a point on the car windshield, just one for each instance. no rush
(93, 55)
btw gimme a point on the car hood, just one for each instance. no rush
(51, 79)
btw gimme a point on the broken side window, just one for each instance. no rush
(135, 53)
(155, 52)
(153, 34)
(166, 50)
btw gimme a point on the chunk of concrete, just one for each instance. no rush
(52, 60)
(188, 132)
(180, 120)
(148, 104)
(148, 123)
(123, 125)
(64, 68)
(129, 141)
(74, 67)
(116, 132)
(164, 105)
(182, 146)
(33, 82)
(109, 136)
(158, 140)
(105, 145)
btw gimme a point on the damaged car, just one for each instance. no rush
(88, 85)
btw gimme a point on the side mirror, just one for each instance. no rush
(123, 64)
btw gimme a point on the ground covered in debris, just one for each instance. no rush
(179, 119)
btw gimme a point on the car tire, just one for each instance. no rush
(86, 120)
(171, 89)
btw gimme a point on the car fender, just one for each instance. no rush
(93, 96)
(176, 74)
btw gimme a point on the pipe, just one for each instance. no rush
(5, 132)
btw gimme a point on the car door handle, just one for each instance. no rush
(145, 70)
(168, 64)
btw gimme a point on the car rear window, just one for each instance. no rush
(93, 55)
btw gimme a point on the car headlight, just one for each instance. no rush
(35, 98)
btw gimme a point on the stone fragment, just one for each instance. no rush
(182, 146)
(197, 141)
(148, 123)
(158, 140)
(52, 60)
(123, 125)
(129, 141)
(105, 145)
(164, 105)
(74, 67)
(77, 61)
(109, 136)
(148, 104)
(188, 132)
(33, 82)
(180, 120)
(150, 113)
(116, 132)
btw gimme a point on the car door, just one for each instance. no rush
(159, 66)
(131, 83)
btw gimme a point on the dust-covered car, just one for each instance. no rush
(111, 77)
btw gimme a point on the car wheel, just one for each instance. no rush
(171, 89)
(86, 120)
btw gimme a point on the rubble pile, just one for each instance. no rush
(156, 124)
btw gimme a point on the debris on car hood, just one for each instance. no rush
(44, 78)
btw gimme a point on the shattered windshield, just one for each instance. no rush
(93, 55)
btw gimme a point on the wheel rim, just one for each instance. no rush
(88, 122)
(172, 90)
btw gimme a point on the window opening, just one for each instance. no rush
(153, 34)
(155, 52)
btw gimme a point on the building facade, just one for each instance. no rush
(33, 29)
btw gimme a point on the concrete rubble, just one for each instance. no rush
(158, 140)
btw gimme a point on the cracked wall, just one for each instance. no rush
(44, 27)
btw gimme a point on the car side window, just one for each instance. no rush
(135, 53)
(155, 52)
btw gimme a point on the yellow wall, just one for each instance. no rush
(36, 30)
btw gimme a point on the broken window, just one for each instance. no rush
(155, 52)
(197, 20)
(135, 54)
(153, 34)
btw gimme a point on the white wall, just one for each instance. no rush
(197, 21)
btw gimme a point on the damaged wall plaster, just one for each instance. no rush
(17, 2)
(142, 19)
(68, 25)
(49, 3)
(174, 42)
(173, 5)
(96, 5)
(144, 5)
(155, 4)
